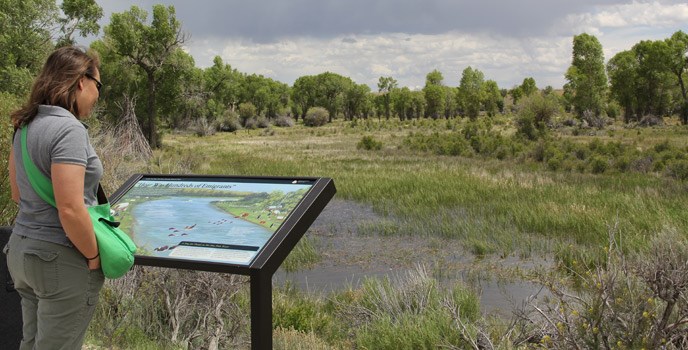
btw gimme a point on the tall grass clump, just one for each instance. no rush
(303, 256)
(406, 313)
(294, 310)
(291, 339)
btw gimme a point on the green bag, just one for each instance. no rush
(115, 247)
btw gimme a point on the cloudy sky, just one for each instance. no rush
(507, 40)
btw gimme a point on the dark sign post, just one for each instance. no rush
(230, 224)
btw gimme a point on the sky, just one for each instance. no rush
(507, 40)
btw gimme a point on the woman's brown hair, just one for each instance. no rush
(57, 82)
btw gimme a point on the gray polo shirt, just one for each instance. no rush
(54, 136)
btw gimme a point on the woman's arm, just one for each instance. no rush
(13, 177)
(68, 184)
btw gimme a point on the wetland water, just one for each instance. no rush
(347, 258)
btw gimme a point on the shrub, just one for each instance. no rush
(642, 165)
(453, 144)
(538, 152)
(369, 143)
(555, 162)
(678, 169)
(613, 109)
(634, 302)
(580, 152)
(316, 116)
(569, 122)
(535, 113)
(525, 126)
(593, 119)
(622, 164)
(202, 127)
(250, 123)
(284, 121)
(651, 120)
(229, 122)
(262, 122)
(598, 164)
(662, 146)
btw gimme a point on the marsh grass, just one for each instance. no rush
(290, 339)
(493, 205)
(303, 256)
(406, 312)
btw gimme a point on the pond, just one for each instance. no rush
(348, 258)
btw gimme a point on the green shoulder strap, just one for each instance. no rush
(41, 184)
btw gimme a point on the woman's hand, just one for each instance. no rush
(94, 264)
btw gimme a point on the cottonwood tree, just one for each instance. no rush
(649, 79)
(402, 103)
(678, 65)
(470, 91)
(269, 96)
(222, 82)
(357, 99)
(516, 93)
(493, 102)
(654, 80)
(25, 41)
(181, 98)
(331, 88)
(528, 87)
(451, 103)
(418, 104)
(80, 16)
(325, 90)
(622, 70)
(385, 85)
(147, 46)
(303, 95)
(434, 94)
(587, 81)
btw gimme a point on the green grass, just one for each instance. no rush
(304, 255)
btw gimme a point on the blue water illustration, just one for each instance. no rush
(161, 225)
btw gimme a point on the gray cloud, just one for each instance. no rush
(267, 21)
(364, 39)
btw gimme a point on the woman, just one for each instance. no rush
(52, 254)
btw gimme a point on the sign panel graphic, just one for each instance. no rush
(206, 219)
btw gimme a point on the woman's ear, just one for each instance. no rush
(81, 84)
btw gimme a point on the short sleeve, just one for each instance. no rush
(71, 146)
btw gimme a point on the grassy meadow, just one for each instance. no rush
(507, 206)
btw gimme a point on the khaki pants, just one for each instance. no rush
(59, 293)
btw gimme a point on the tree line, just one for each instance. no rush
(142, 59)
